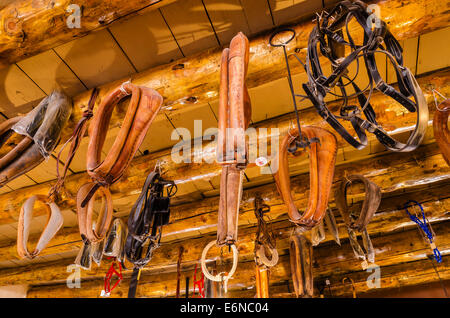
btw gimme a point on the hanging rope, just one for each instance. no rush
(425, 227)
(200, 284)
(106, 292)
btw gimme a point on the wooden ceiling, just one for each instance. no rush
(178, 30)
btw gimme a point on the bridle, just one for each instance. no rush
(328, 34)
(265, 240)
(142, 110)
(149, 213)
(358, 221)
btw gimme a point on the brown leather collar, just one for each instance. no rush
(322, 160)
(234, 113)
(359, 222)
(370, 205)
(54, 223)
(301, 258)
(142, 110)
(440, 128)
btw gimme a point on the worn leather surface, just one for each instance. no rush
(440, 129)
(85, 214)
(301, 259)
(370, 205)
(41, 129)
(321, 165)
(143, 107)
(262, 282)
(232, 146)
(52, 226)
(358, 221)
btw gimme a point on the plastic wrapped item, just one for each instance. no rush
(365, 256)
(317, 234)
(330, 222)
(84, 256)
(115, 240)
(45, 122)
(97, 252)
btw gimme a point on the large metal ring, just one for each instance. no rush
(219, 277)
(280, 31)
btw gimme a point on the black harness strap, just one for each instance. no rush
(150, 212)
(328, 37)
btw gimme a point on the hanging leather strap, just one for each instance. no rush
(301, 258)
(134, 282)
(440, 129)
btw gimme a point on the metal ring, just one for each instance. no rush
(278, 32)
(218, 278)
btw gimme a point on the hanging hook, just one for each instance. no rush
(434, 91)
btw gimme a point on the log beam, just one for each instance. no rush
(189, 175)
(398, 250)
(29, 27)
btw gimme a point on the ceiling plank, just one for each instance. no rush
(258, 15)
(190, 25)
(285, 11)
(96, 59)
(147, 40)
(32, 29)
(48, 71)
(434, 52)
(228, 18)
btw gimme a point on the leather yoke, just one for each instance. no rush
(440, 129)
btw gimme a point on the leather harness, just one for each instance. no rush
(41, 129)
(440, 129)
(358, 222)
(147, 217)
(321, 165)
(329, 36)
(142, 110)
(234, 118)
(265, 240)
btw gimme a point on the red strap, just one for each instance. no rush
(200, 284)
(111, 271)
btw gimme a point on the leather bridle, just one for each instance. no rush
(358, 221)
(265, 240)
(142, 110)
(440, 129)
(321, 163)
(147, 217)
(301, 259)
(41, 129)
(329, 36)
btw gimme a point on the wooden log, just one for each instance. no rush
(193, 175)
(30, 27)
(399, 177)
(330, 262)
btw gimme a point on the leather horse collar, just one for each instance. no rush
(54, 223)
(329, 35)
(358, 221)
(321, 163)
(234, 118)
(440, 129)
(147, 217)
(142, 110)
(41, 129)
(301, 259)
